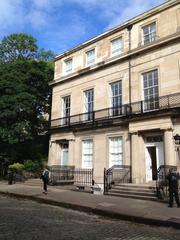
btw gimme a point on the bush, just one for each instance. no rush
(17, 166)
(32, 166)
(16, 172)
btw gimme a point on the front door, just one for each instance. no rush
(64, 154)
(154, 156)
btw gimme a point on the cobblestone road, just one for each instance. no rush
(27, 220)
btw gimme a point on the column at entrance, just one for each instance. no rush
(137, 166)
(169, 149)
(52, 160)
(71, 152)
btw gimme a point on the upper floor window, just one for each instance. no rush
(68, 64)
(88, 104)
(151, 90)
(116, 98)
(66, 101)
(87, 153)
(90, 57)
(149, 33)
(116, 46)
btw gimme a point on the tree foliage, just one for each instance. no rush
(22, 46)
(24, 98)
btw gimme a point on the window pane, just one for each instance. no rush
(115, 151)
(151, 95)
(116, 46)
(87, 153)
(116, 98)
(88, 104)
(149, 33)
(68, 66)
(65, 109)
(90, 57)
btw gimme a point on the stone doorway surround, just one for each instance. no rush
(137, 130)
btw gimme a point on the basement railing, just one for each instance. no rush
(156, 104)
(70, 175)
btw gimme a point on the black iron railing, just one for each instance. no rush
(142, 107)
(70, 175)
(83, 177)
(61, 174)
(162, 182)
(116, 174)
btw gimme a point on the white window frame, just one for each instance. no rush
(87, 153)
(66, 109)
(116, 50)
(115, 151)
(151, 35)
(66, 69)
(93, 60)
(151, 89)
(64, 148)
(116, 108)
(88, 104)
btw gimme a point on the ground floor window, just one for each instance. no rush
(87, 153)
(115, 151)
(64, 154)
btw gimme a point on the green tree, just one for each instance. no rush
(25, 70)
(25, 97)
(22, 46)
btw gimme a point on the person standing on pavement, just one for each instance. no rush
(173, 178)
(45, 179)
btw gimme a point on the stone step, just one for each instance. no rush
(131, 185)
(134, 196)
(131, 192)
(117, 187)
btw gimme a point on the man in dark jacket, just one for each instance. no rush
(45, 179)
(173, 178)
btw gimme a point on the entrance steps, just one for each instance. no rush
(135, 191)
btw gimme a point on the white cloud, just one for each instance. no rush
(116, 11)
(133, 9)
(64, 23)
(37, 19)
(11, 13)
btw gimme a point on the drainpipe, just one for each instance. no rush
(129, 27)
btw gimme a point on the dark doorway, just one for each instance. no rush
(152, 153)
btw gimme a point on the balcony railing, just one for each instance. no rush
(156, 104)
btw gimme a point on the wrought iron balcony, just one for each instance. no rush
(156, 104)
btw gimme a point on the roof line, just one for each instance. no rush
(133, 20)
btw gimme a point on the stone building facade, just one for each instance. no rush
(116, 98)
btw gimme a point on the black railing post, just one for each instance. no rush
(125, 110)
(69, 120)
(93, 116)
(168, 102)
(104, 180)
(141, 106)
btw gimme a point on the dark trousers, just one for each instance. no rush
(45, 185)
(173, 193)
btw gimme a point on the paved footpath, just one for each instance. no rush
(135, 210)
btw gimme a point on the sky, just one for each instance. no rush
(59, 25)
